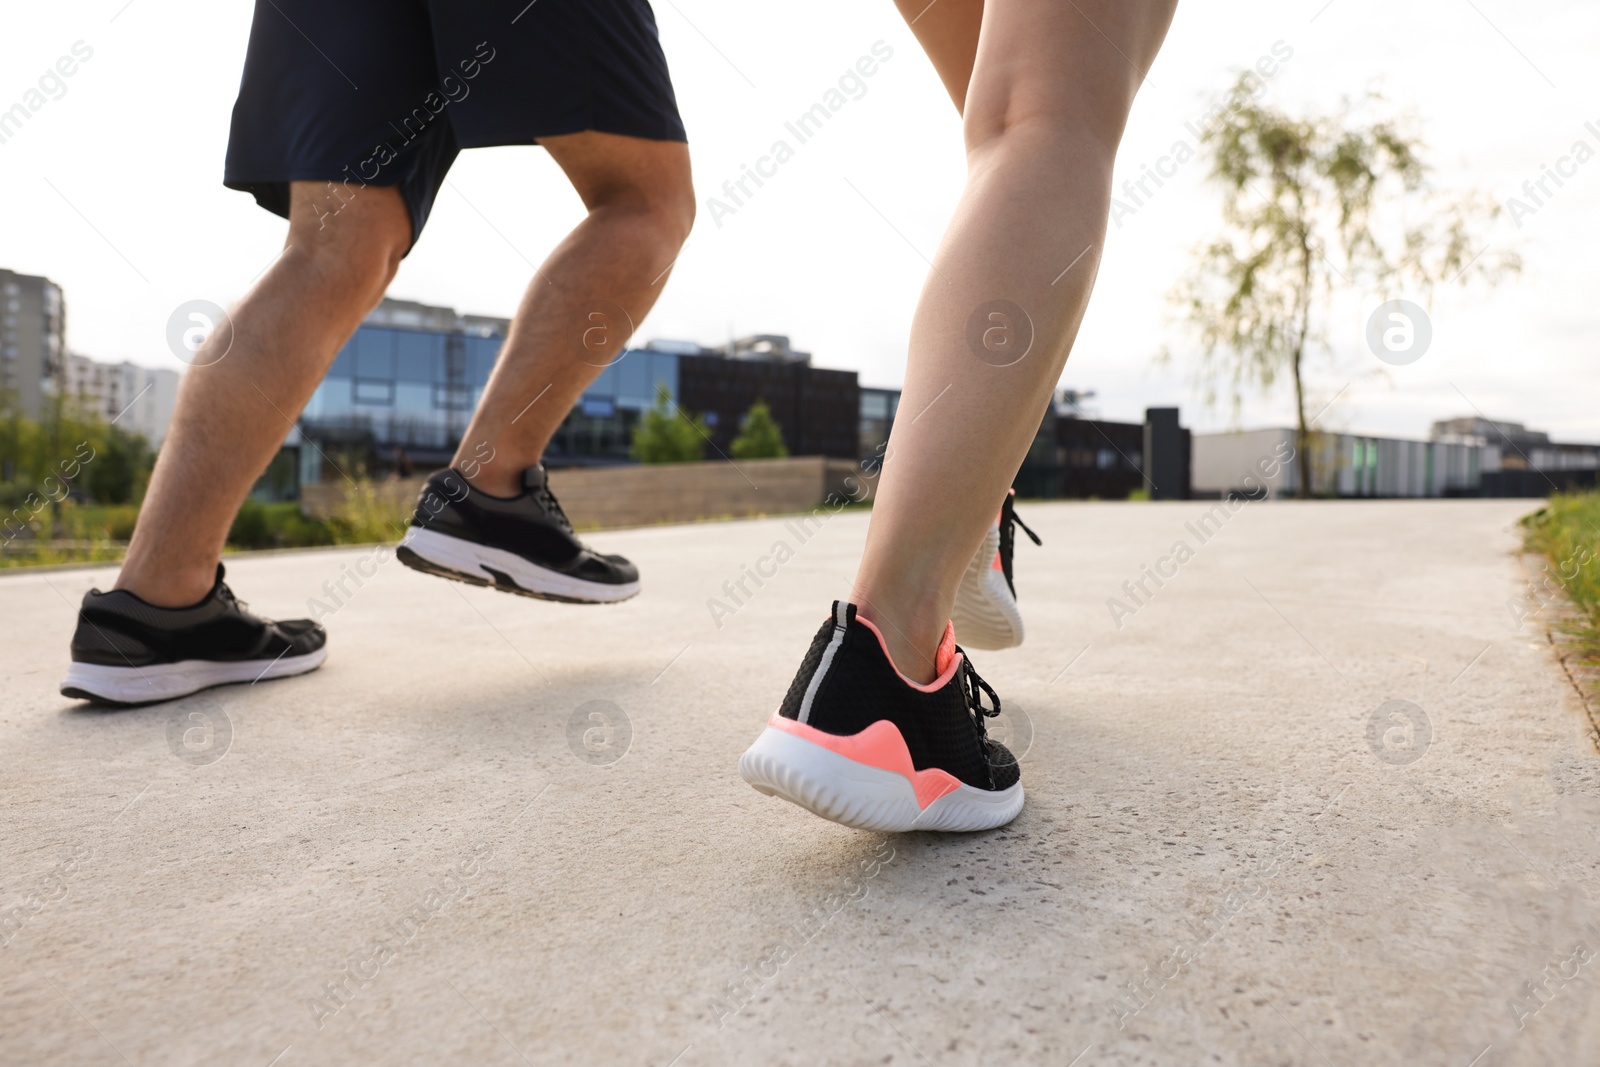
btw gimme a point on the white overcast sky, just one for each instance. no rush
(114, 190)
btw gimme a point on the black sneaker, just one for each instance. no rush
(986, 614)
(521, 544)
(857, 742)
(127, 651)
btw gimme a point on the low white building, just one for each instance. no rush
(132, 397)
(1256, 462)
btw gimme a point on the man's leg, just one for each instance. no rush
(641, 206)
(233, 414)
(1049, 95)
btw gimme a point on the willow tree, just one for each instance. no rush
(1298, 195)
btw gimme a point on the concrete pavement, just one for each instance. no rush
(1312, 799)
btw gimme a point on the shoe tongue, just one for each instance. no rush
(220, 590)
(534, 477)
(536, 486)
(947, 649)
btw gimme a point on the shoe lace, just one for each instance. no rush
(974, 687)
(552, 507)
(1008, 538)
(227, 594)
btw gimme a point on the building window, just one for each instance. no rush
(452, 397)
(369, 391)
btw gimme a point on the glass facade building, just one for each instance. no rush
(396, 389)
(401, 388)
(401, 392)
(599, 429)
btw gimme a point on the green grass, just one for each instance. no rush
(92, 533)
(50, 553)
(261, 525)
(364, 517)
(88, 534)
(1566, 532)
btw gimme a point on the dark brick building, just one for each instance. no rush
(819, 410)
(1076, 458)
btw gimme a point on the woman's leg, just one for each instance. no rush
(1049, 95)
(948, 31)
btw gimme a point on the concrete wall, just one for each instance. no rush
(646, 494)
(1346, 465)
(1220, 463)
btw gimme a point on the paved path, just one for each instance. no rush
(402, 859)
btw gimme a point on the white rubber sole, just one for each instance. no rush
(986, 614)
(168, 681)
(864, 797)
(451, 557)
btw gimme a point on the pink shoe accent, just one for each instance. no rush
(995, 566)
(944, 656)
(945, 660)
(879, 745)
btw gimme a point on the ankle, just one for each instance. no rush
(167, 587)
(494, 479)
(911, 629)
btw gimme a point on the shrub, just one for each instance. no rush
(260, 525)
(365, 515)
(760, 436)
(667, 434)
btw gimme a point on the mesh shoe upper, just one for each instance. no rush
(531, 525)
(846, 683)
(119, 629)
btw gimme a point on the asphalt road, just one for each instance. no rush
(1313, 799)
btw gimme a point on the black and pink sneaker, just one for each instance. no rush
(858, 742)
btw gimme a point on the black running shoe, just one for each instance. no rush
(986, 614)
(127, 651)
(521, 544)
(857, 742)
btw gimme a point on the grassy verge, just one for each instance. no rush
(97, 534)
(1566, 532)
(87, 533)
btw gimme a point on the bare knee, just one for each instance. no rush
(1052, 73)
(641, 184)
(1078, 110)
(660, 214)
(1018, 125)
(353, 235)
(681, 210)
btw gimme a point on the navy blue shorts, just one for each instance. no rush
(386, 92)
